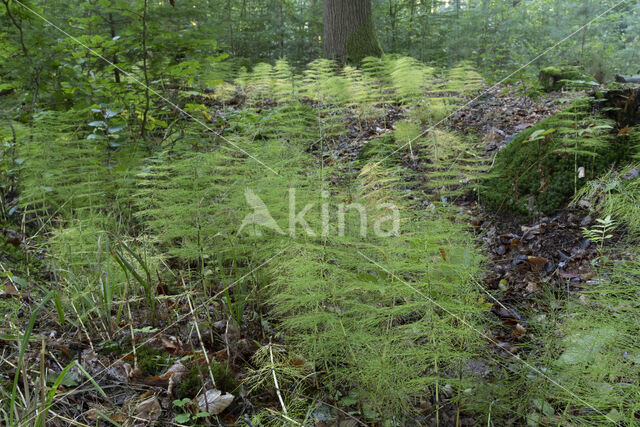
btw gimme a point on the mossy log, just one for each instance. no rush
(554, 78)
(542, 167)
(628, 79)
(622, 105)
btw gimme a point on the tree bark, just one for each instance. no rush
(349, 33)
(112, 28)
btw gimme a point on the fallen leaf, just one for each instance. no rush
(177, 373)
(518, 331)
(228, 328)
(118, 417)
(11, 236)
(120, 371)
(214, 402)
(170, 345)
(9, 291)
(149, 410)
(568, 274)
(532, 287)
(625, 131)
(632, 174)
(537, 263)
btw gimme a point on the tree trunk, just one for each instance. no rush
(116, 70)
(349, 33)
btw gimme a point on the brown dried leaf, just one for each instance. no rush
(214, 402)
(518, 331)
(149, 410)
(177, 373)
(170, 345)
(9, 291)
(532, 287)
(625, 131)
(537, 263)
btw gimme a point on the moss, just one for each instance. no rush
(224, 376)
(225, 379)
(538, 174)
(152, 361)
(553, 78)
(190, 385)
(634, 139)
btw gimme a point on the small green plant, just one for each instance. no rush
(600, 232)
(108, 127)
(128, 268)
(616, 193)
(225, 379)
(191, 384)
(188, 417)
(152, 361)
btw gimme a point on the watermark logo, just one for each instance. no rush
(384, 217)
(260, 217)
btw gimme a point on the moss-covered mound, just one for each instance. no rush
(554, 78)
(539, 171)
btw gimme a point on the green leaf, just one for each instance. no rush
(19, 280)
(146, 330)
(58, 304)
(62, 379)
(181, 402)
(183, 418)
(23, 348)
(91, 380)
(115, 129)
(111, 113)
(69, 380)
(544, 407)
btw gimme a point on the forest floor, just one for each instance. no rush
(524, 259)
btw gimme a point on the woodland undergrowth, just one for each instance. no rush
(368, 321)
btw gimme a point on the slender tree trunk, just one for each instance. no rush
(112, 28)
(411, 28)
(392, 17)
(145, 69)
(36, 69)
(349, 33)
(281, 35)
(230, 26)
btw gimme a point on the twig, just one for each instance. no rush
(275, 379)
(84, 329)
(133, 336)
(43, 383)
(204, 350)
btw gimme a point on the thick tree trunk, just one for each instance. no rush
(349, 33)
